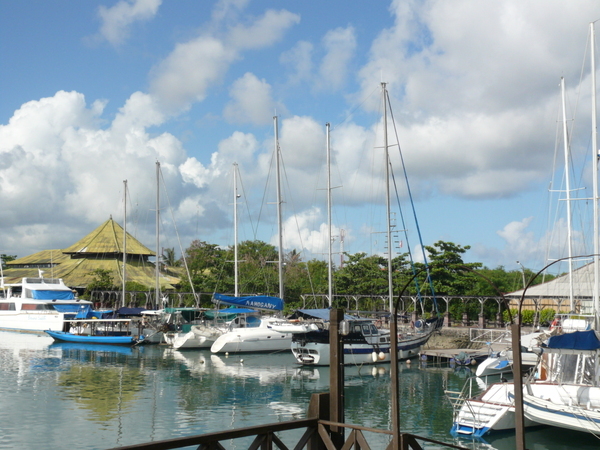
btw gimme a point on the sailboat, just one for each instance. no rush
(569, 394)
(565, 389)
(364, 342)
(257, 332)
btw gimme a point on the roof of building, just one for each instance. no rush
(582, 282)
(100, 249)
(108, 239)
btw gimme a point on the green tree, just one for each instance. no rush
(169, 257)
(6, 258)
(204, 262)
(102, 280)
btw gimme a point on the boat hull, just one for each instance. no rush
(575, 407)
(90, 339)
(317, 353)
(32, 321)
(250, 341)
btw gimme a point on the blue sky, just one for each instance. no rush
(95, 92)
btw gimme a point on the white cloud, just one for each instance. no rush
(117, 20)
(339, 45)
(251, 102)
(186, 74)
(262, 32)
(299, 61)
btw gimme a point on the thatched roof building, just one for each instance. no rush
(100, 249)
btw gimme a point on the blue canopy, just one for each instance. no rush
(52, 295)
(577, 340)
(79, 311)
(257, 301)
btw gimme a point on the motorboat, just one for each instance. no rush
(39, 304)
(501, 362)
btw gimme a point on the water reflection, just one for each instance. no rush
(124, 396)
(104, 392)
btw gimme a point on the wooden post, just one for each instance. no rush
(518, 385)
(395, 382)
(336, 376)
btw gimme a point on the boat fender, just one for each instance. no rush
(381, 356)
(374, 356)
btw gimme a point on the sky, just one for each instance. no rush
(97, 92)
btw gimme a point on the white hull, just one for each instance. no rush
(365, 344)
(492, 411)
(575, 407)
(244, 340)
(317, 353)
(31, 321)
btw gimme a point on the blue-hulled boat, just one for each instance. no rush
(64, 336)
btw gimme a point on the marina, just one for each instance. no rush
(62, 395)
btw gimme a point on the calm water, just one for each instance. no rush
(64, 396)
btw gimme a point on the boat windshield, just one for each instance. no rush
(37, 307)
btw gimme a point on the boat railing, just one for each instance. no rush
(489, 336)
(458, 398)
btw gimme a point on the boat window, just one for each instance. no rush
(357, 328)
(252, 322)
(7, 306)
(374, 329)
(36, 307)
(366, 329)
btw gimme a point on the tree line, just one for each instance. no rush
(211, 269)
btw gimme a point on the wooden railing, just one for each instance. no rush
(319, 434)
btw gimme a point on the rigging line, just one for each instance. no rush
(310, 280)
(376, 90)
(262, 203)
(252, 226)
(412, 205)
(187, 270)
(404, 228)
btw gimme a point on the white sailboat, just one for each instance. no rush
(365, 343)
(570, 396)
(565, 391)
(256, 332)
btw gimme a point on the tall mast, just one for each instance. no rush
(568, 192)
(157, 263)
(279, 230)
(387, 197)
(595, 155)
(235, 230)
(124, 239)
(329, 240)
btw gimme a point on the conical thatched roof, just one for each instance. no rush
(100, 249)
(107, 239)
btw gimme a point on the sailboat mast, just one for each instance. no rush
(279, 230)
(568, 192)
(157, 262)
(329, 261)
(124, 239)
(595, 156)
(387, 197)
(235, 230)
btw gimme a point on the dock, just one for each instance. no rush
(445, 355)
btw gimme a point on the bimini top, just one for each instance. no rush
(577, 340)
(256, 301)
